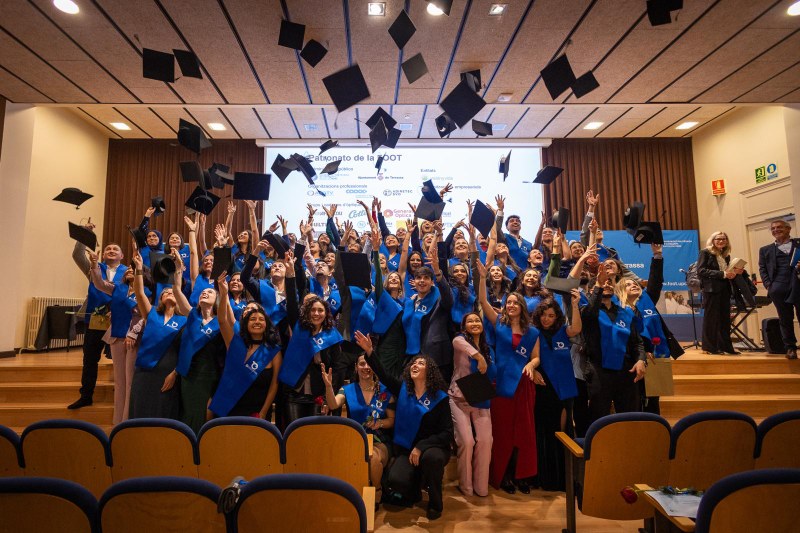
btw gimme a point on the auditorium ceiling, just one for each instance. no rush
(716, 56)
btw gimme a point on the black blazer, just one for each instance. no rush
(712, 278)
(768, 262)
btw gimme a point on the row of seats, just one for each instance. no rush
(699, 450)
(225, 448)
(281, 503)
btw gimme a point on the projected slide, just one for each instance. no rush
(472, 171)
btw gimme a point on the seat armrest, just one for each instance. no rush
(570, 444)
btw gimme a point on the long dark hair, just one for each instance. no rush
(483, 346)
(539, 291)
(549, 303)
(524, 317)
(462, 288)
(433, 378)
(305, 313)
(241, 249)
(270, 333)
(505, 284)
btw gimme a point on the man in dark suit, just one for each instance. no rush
(778, 265)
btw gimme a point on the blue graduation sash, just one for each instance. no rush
(517, 252)
(358, 298)
(393, 261)
(614, 336)
(121, 306)
(156, 338)
(556, 362)
(412, 319)
(584, 301)
(649, 325)
(95, 297)
(301, 350)
(195, 336)
(511, 361)
(408, 290)
(334, 299)
(531, 302)
(201, 283)
(239, 374)
(357, 408)
(366, 316)
(410, 411)
(386, 312)
(237, 307)
(460, 308)
(276, 311)
(146, 253)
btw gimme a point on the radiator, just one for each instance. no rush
(36, 310)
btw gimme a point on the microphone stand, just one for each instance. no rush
(696, 343)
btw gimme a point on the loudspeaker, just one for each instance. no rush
(771, 333)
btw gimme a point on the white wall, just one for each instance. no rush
(45, 150)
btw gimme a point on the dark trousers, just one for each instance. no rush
(580, 409)
(93, 346)
(786, 312)
(606, 386)
(717, 321)
(408, 480)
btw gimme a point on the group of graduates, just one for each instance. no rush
(281, 331)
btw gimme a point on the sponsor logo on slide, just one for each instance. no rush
(356, 213)
(396, 192)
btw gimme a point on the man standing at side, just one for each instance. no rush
(778, 265)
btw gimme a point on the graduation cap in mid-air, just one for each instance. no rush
(462, 104)
(191, 137)
(83, 235)
(73, 195)
(505, 165)
(188, 63)
(346, 87)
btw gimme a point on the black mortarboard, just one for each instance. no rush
(73, 195)
(482, 218)
(212, 180)
(429, 211)
(327, 145)
(560, 220)
(190, 136)
(585, 84)
(139, 237)
(162, 266)
(379, 163)
(633, 217)
(279, 169)
(83, 235)
(188, 63)
(158, 203)
(278, 243)
(482, 129)
(381, 113)
(378, 135)
(414, 68)
(462, 104)
(305, 167)
(202, 201)
(299, 249)
(251, 186)
(505, 165)
(392, 138)
(649, 233)
(402, 29)
(222, 172)
(430, 193)
(444, 5)
(547, 174)
(289, 164)
(444, 126)
(558, 76)
(291, 35)
(473, 79)
(191, 171)
(356, 269)
(313, 52)
(331, 167)
(562, 286)
(346, 87)
(658, 11)
(222, 261)
(476, 388)
(158, 65)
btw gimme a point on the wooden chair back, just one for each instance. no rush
(778, 443)
(238, 446)
(33, 505)
(152, 447)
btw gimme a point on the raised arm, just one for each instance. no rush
(290, 285)
(201, 235)
(246, 277)
(391, 382)
(96, 276)
(575, 323)
(592, 200)
(138, 287)
(578, 267)
(182, 304)
(225, 315)
(537, 241)
(655, 281)
(401, 269)
(488, 310)
(194, 263)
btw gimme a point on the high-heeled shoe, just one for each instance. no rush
(523, 487)
(508, 487)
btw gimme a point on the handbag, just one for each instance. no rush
(99, 322)
(658, 378)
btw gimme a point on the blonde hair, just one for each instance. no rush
(622, 294)
(713, 250)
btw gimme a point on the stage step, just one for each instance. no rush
(22, 414)
(732, 384)
(52, 372)
(64, 392)
(755, 405)
(734, 364)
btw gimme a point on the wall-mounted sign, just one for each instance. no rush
(718, 187)
(766, 172)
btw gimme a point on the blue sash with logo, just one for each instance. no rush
(386, 312)
(301, 350)
(408, 290)
(334, 299)
(365, 323)
(392, 261)
(518, 253)
(95, 297)
(511, 361)
(358, 299)
(239, 374)
(269, 301)
(201, 283)
(649, 325)
(156, 338)
(238, 308)
(460, 308)
(357, 408)
(412, 319)
(410, 411)
(614, 336)
(122, 305)
(195, 336)
(556, 361)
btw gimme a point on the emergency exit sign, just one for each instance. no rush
(718, 187)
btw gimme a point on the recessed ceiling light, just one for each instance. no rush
(216, 126)
(67, 6)
(794, 9)
(120, 126)
(593, 126)
(310, 127)
(376, 9)
(497, 9)
(433, 10)
(498, 127)
(686, 126)
(405, 126)
(504, 97)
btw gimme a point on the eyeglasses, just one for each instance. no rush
(722, 239)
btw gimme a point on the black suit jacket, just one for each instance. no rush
(712, 278)
(768, 268)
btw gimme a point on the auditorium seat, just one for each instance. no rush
(759, 500)
(154, 504)
(152, 447)
(238, 446)
(37, 504)
(288, 503)
(778, 442)
(619, 450)
(68, 449)
(10, 456)
(710, 445)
